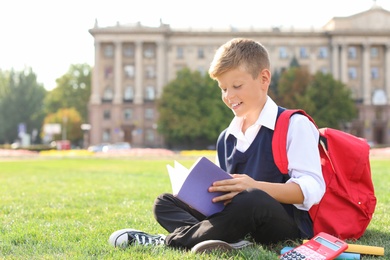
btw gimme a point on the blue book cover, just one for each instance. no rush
(191, 186)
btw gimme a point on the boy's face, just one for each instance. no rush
(244, 95)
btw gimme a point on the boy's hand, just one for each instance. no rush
(232, 187)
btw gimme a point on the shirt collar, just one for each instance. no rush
(268, 114)
(267, 118)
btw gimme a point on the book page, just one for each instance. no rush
(177, 174)
(195, 189)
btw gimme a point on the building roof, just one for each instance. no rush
(374, 19)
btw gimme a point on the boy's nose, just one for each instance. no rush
(229, 95)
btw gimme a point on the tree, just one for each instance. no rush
(273, 91)
(21, 102)
(191, 111)
(4, 76)
(292, 87)
(332, 104)
(327, 100)
(73, 90)
(273, 86)
(70, 121)
(294, 62)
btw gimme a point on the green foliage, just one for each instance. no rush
(67, 209)
(273, 86)
(292, 87)
(33, 147)
(294, 62)
(331, 102)
(273, 91)
(73, 90)
(21, 101)
(327, 100)
(70, 121)
(191, 111)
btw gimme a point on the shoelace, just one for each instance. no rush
(148, 240)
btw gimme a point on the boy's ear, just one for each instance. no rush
(265, 77)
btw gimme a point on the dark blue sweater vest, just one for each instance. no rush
(258, 162)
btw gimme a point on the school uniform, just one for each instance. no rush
(253, 212)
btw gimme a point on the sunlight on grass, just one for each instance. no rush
(67, 208)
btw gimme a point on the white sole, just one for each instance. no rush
(210, 245)
(113, 240)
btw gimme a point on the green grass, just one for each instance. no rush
(67, 208)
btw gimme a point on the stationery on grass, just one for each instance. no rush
(343, 256)
(191, 185)
(363, 249)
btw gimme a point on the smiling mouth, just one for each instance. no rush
(235, 105)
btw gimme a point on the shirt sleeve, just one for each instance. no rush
(304, 160)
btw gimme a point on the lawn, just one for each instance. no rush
(66, 208)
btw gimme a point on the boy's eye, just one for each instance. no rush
(236, 86)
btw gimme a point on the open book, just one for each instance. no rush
(191, 185)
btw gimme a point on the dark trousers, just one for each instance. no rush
(251, 212)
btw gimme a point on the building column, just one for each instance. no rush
(138, 97)
(95, 91)
(118, 95)
(366, 75)
(313, 57)
(387, 72)
(344, 64)
(160, 67)
(335, 61)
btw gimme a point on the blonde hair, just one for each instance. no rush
(242, 53)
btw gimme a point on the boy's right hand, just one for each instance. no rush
(231, 187)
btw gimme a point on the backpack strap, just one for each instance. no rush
(279, 139)
(221, 150)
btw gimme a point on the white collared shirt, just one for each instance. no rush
(304, 166)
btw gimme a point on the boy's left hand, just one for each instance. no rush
(232, 187)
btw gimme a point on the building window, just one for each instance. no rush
(128, 95)
(379, 98)
(149, 51)
(352, 73)
(128, 51)
(324, 70)
(128, 113)
(303, 53)
(109, 51)
(106, 138)
(283, 53)
(354, 93)
(150, 72)
(323, 53)
(129, 71)
(179, 68)
(180, 52)
(202, 70)
(108, 72)
(374, 52)
(149, 135)
(149, 113)
(150, 93)
(200, 53)
(352, 53)
(106, 114)
(374, 73)
(108, 93)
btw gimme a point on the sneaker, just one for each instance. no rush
(210, 245)
(126, 237)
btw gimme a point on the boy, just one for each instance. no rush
(260, 201)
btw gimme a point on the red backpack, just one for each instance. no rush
(349, 201)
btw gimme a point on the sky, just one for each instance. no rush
(50, 35)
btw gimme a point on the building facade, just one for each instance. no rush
(134, 62)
